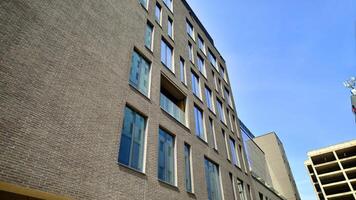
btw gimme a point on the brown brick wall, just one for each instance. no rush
(64, 69)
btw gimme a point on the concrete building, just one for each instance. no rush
(256, 160)
(125, 99)
(333, 171)
(278, 166)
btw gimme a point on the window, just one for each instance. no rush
(182, 71)
(215, 82)
(212, 58)
(167, 55)
(132, 140)
(226, 144)
(196, 85)
(166, 165)
(233, 186)
(149, 36)
(212, 177)
(261, 195)
(201, 44)
(231, 122)
(199, 123)
(170, 27)
(190, 52)
(144, 3)
(158, 14)
(221, 111)
(212, 133)
(227, 96)
(241, 190)
(221, 88)
(235, 159)
(222, 73)
(190, 29)
(243, 158)
(201, 65)
(169, 4)
(209, 99)
(188, 168)
(140, 73)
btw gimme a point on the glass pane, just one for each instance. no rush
(212, 181)
(148, 36)
(188, 181)
(166, 157)
(158, 13)
(132, 137)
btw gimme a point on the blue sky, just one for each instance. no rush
(287, 61)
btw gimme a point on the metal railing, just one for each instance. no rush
(172, 109)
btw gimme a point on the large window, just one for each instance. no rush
(190, 29)
(167, 55)
(149, 36)
(209, 99)
(182, 71)
(221, 111)
(158, 14)
(199, 123)
(212, 58)
(188, 168)
(222, 73)
(132, 140)
(212, 177)
(241, 190)
(201, 65)
(227, 96)
(201, 44)
(169, 4)
(196, 85)
(166, 165)
(234, 156)
(212, 133)
(140, 73)
(170, 27)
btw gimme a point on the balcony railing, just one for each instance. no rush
(171, 108)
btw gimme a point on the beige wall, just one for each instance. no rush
(277, 162)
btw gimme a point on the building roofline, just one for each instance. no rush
(329, 148)
(194, 16)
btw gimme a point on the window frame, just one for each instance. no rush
(149, 24)
(170, 26)
(174, 157)
(198, 86)
(149, 63)
(167, 46)
(159, 7)
(202, 135)
(190, 30)
(191, 177)
(143, 143)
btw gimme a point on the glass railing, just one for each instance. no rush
(171, 108)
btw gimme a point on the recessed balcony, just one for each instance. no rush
(172, 100)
